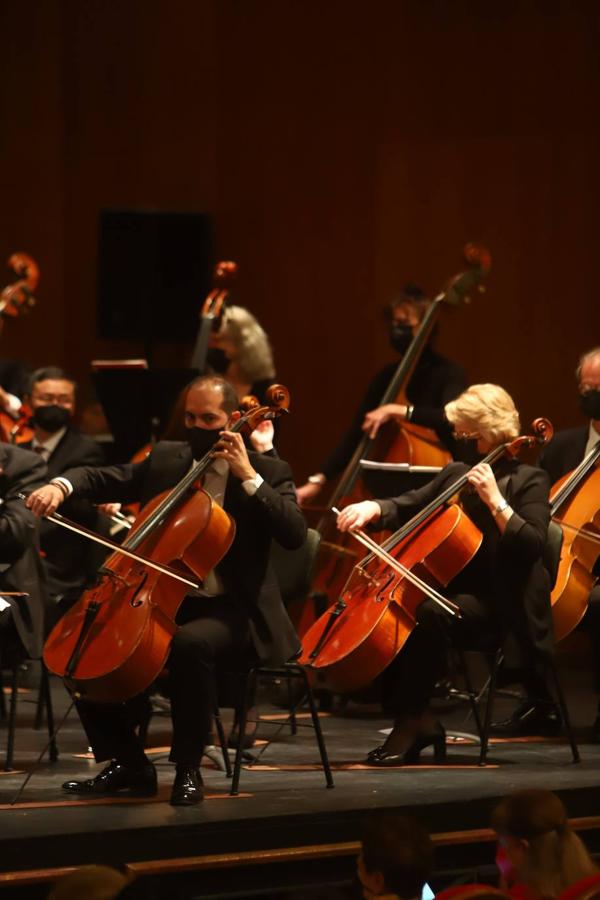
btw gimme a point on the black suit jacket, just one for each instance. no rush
(564, 452)
(271, 514)
(507, 571)
(20, 564)
(71, 561)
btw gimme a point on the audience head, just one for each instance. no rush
(396, 857)
(545, 853)
(91, 882)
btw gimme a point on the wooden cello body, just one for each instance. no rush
(575, 503)
(128, 643)
(380, 605)
(16, 298)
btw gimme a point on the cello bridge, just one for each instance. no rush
(369, 578)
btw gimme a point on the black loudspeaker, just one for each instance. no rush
(154, 271)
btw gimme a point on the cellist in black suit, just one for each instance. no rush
(22, 619)
(240, 612)
(564, 453)
(70, 561)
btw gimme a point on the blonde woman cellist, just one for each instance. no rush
(503, 593)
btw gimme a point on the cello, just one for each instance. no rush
(17, 298)
(407, 442)
(359, 636)
(115, 641)
(575, 506)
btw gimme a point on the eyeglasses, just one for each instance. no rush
(466, 435)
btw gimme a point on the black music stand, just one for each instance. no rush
(137, 402)
(392, 479)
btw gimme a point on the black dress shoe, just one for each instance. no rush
(139, 781)
(187, 787)
(530, 718)
(436, 738)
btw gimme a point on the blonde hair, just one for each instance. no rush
(555, 857)
(254, 354)
(488, 410)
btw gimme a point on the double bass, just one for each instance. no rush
(359, 636)
(115, 641)
(575, 506)
(17, 298)
(395, 442)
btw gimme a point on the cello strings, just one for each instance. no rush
(447, 605)
(584, 532)
(118, 548)
(378, 551)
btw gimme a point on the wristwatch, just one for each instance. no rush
(316, 479)
(504, 504)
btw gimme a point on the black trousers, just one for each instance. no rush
(409, 681)
(219, 635)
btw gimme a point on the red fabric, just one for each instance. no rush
(580, 887)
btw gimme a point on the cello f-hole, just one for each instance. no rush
(134, 602)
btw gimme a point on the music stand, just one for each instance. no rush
(137, 401)
(391, 479)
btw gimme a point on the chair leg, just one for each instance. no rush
(41, 700)
(221, 733)
(12, 719)
(564, 711)
(242, 718)
(47, 695)
(489, 707)
(301, 671)
(3, 712)
(292, 708)
(466, 674)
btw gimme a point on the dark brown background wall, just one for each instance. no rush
(342, 148)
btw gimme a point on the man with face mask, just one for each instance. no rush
(69, 560)
(240, 613)
(434, 382)
(563, 454)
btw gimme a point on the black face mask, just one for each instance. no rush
(201, 440)
(590, 404)
(401, 337)
(51, 418)
(217, 360)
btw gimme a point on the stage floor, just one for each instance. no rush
(283, 802)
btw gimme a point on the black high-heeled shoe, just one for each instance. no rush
(435, 737)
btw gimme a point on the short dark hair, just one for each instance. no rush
(49, 372)
(401, 849)
(230, 400)
(409, 293)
